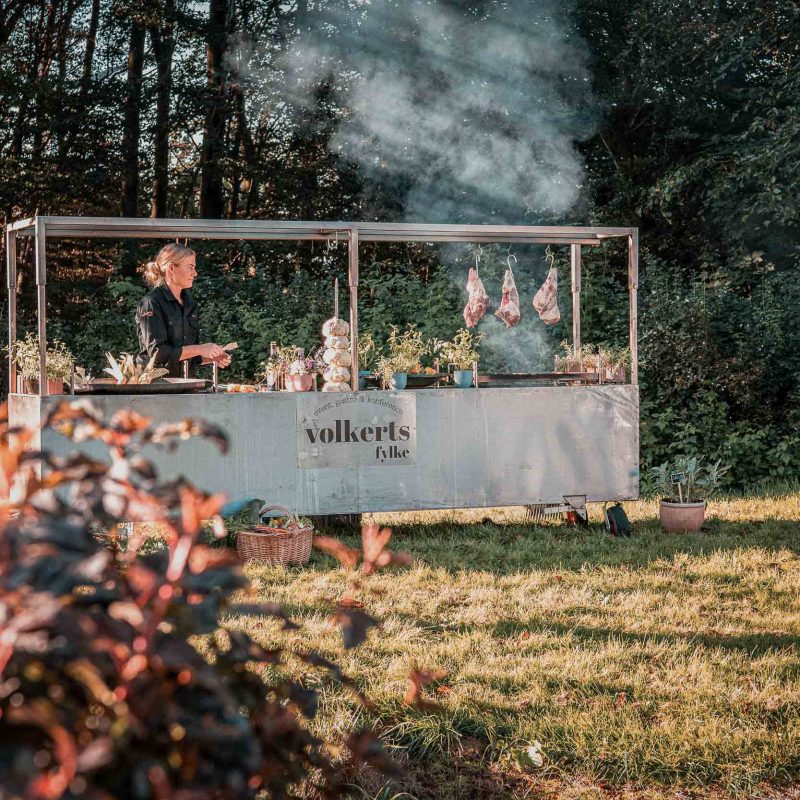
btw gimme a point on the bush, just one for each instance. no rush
(101, 693)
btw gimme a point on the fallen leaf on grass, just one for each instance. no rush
(532, 757)
(620, 700)
(564, 698)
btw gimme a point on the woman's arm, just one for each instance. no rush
(208, 352)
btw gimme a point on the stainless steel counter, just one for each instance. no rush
(386, 451)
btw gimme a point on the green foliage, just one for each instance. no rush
(462, 350)
(105, 696)
(688, 480)
(59, 361)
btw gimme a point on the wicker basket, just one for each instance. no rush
(289, 545)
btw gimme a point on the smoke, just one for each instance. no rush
(473, 112)
(530, 345)
(469, 111)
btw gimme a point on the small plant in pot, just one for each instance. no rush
(301, 372)
(406, 351)
(59, 365)
(462, 353)
(367, 354)
(685, 486)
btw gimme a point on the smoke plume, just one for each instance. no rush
(473, 109)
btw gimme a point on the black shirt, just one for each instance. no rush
(165, 326)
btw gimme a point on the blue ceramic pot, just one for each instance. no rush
(399, 380)
(462, 378)
(362, 378)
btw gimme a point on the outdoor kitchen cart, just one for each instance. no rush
(361, 451)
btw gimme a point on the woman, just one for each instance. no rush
(167, 318)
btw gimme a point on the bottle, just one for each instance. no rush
(272, 367)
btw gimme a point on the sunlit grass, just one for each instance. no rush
(657, 661)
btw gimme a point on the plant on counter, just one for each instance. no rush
(608, 361)
(367, 352)
(461, 351)
(25, 353)
(127, 371)
(391, 373)
(407, 349)
(684, 487)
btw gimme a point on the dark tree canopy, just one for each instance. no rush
(681, 118)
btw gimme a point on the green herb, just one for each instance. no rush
(25, 353)
(461, 351)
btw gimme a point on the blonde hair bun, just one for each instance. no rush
(155, 271)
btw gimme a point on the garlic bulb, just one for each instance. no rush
(335, 327)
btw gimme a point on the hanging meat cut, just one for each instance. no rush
(509, 306)
(545, 301)
(478, 301)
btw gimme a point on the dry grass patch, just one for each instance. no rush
(666, 663)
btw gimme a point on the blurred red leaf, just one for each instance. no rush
(373, 542)
(417, 679)
(341, 552)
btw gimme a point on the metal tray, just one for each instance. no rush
(413, 381)
(160, 386)
(421, 380)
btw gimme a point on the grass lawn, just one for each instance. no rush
(657, 666)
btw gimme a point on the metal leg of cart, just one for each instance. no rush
(574, 506)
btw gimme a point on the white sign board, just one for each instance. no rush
(356, 429)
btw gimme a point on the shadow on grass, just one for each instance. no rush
(510, 548)
(754, 644)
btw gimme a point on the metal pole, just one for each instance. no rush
(575, 253)
(633, 286)
(11, 282)
(352, 279)
(41, 302)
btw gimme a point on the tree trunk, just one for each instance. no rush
(132, 123)
(163, 39)
(211, 197)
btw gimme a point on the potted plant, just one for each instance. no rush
(366, 358)
(300, 372)
(462, 353)
(406, 350)
(608, 363)
(685, 486)
(59, 365)
(274, 372)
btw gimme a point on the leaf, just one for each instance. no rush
(97, 754)
(373, 542)
(355, 624)
(417, 679)
(130, 422)
(341, 552)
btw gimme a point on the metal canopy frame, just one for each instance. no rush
(47, 227)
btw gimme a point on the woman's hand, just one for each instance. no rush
(213, 353)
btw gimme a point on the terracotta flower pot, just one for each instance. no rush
(31, 385)
(681, 517)
(302, 383)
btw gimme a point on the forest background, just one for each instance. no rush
(679, 117)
